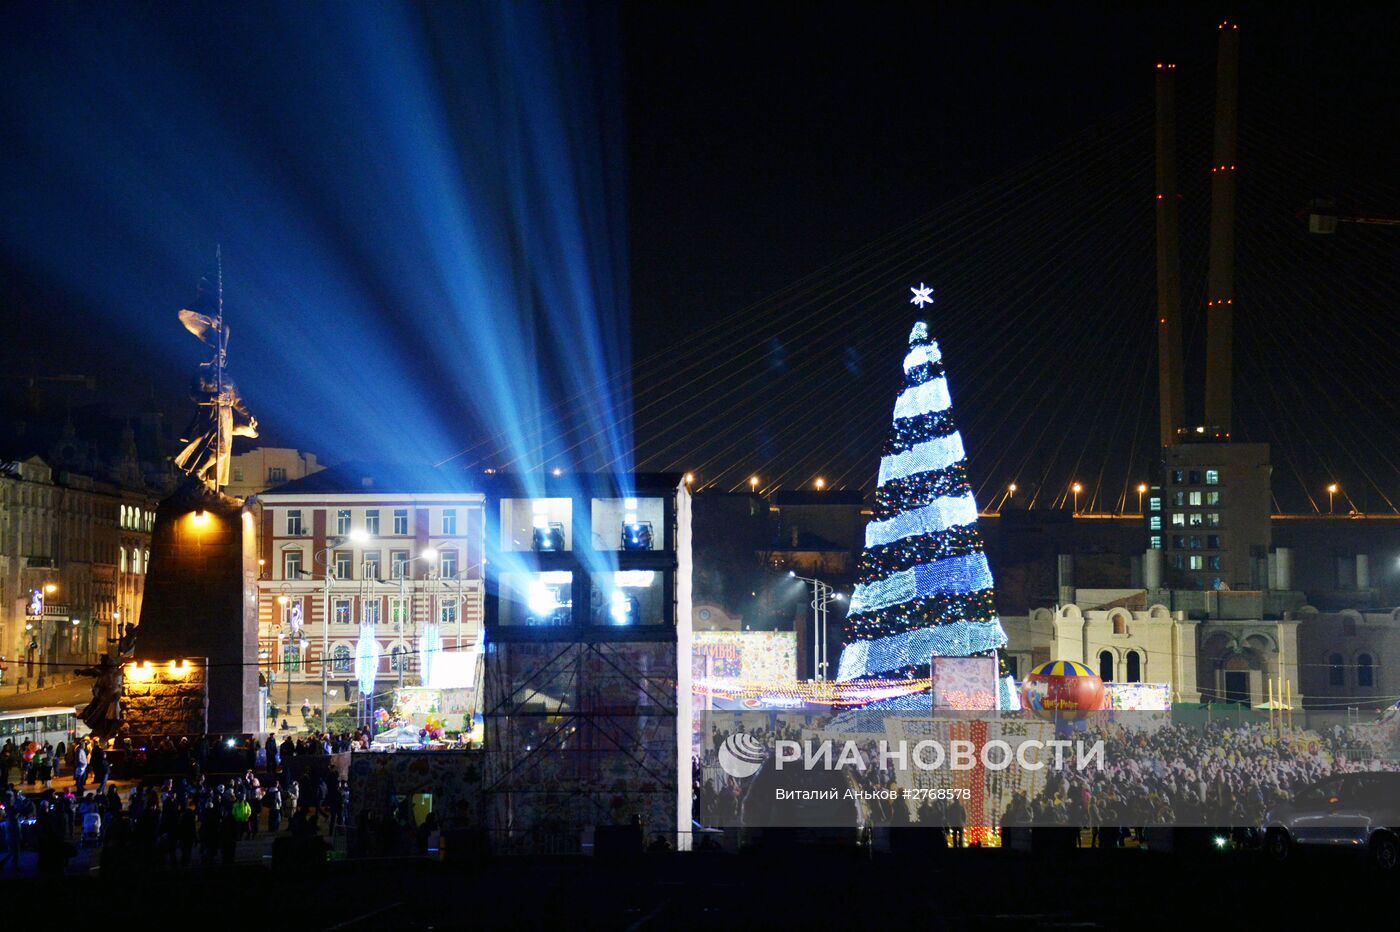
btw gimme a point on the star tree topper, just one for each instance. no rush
(922, 295)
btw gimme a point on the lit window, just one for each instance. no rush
(1212, 477)
(340, 659)
(1212, 498)
(1156, 542)
(449, 521)
(291, 564)
(372, 522)
(398, 563)
(1196, 519)
(238, 474)
(447, 612)
(400, 520)
(294, 526)
(398, 612)
(123, 550)
(342, 522)
(1178, 519)
(1154, 503)
(1194, 498)
(1196, 562)
(1212, 519)
(1178, 498)
(1154, 523)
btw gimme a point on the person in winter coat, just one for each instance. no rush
(290, 799)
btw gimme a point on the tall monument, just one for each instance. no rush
(198, 632)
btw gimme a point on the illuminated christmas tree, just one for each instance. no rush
(924, 588)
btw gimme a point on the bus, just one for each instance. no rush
(52, 724)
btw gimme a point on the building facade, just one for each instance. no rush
(1209, 517)
(263, 468)
(73, 557)
(1125, 637)
(353, 547)
(1350, 659)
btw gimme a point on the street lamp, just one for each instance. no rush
(1332, 491)
(1076, 489)
(753, 483)
(1142, 490)
(822, 596)
(325, 556)
(821, 483)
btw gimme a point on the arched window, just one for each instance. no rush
(1134, 667)
(123, 550)
(1106, 666)
(1336, 671)
(340, 659)
(1365, 671)
(1120, 624)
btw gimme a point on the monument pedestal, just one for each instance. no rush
(200, 607)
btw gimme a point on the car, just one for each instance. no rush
(1355, 811)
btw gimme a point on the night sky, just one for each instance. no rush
(788, 171)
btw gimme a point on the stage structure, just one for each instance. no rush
(587, 706)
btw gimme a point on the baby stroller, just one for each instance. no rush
(92, 830)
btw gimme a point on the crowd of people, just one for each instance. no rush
(1220, 774)
(187, 801)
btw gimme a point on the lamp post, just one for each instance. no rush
(325, 556)
(1076, 488)
(1332, 491)
(822, 596)
(1142, 490)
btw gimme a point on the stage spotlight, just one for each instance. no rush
(637, 535)
(550, 537)
(624, 608)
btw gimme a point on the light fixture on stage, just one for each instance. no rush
(547, 535)
(636, 535)
(624, 608)
(542, 599)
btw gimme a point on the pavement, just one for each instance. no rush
(74, 693)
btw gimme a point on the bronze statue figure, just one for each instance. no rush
(103, 713)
